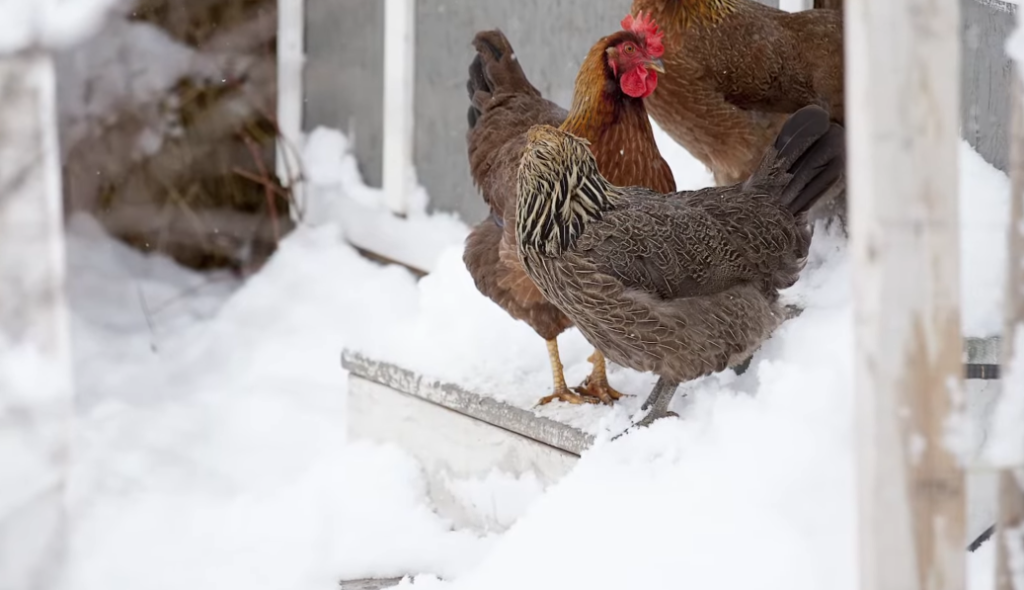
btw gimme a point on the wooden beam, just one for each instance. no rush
(35, 359)
(290, 60)
(1011, 486)
(399, 176)
(795, 5)
(903, 91)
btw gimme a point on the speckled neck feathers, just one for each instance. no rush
(560, 190)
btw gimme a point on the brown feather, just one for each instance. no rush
(734, 70)
(504, 105)
(685, 284)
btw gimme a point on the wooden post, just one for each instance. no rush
(290, 61)
(903, 91)
(35, 365)
(1010, 527)
(795, 5)
(399, 175)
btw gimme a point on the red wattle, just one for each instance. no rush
(639, 83)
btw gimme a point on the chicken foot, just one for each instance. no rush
(558, 376)
(596, 384)
(658, 401)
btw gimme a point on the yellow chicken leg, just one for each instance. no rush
(558, 376)
(596, 384)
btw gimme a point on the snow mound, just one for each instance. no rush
(49, 23)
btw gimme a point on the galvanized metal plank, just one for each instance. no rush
(458, 399)
(369, 584)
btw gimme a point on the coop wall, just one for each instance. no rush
(344, 75)
(985, 105)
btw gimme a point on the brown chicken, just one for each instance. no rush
(607, 109)
(735, 70)
(682, 285)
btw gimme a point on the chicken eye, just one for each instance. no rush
(629, 48)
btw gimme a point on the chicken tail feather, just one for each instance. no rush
(494, 71)
(806, 161)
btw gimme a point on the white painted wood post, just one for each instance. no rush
(35, 360)
(399, 173)
(903, 88)
(796, 5)
(1010, 527)
(290, 61)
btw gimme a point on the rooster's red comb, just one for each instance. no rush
(645, 27)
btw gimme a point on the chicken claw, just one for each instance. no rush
(558, 377)
(596, 384)
(653, 416)
(568, 397)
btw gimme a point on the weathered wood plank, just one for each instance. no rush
(903, 99)
(399, 174)
(1011, 486)
(35, 360)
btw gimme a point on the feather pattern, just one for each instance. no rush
(735, 70)
(503, 106)
(684, 284)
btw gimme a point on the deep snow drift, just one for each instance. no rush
(211, 452)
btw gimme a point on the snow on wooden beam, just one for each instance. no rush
(903, 92)
(35, 366)
(399, 175)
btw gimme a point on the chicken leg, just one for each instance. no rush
(658, 401)
(596, 384)
(558, 376)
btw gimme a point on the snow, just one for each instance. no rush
(49, 23)
(1006, 447)
(499, 498)
(211, 449)
(984, 209)
(331, 170)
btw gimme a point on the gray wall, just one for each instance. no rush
(344, 75)
(344, 78)
(985, 94)
(550, 48)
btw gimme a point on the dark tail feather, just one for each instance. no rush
(495, 70)
(806, 161)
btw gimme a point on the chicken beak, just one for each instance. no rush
(657, 65)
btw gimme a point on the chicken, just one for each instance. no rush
(619, 71)
(735, 70)
(682, 285)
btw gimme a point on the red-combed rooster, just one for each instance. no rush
(735, 70)
(608, 111)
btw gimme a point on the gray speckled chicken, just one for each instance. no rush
(682, 286)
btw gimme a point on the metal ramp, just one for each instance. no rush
(437, 422)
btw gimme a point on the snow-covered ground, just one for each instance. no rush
(210, 448)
